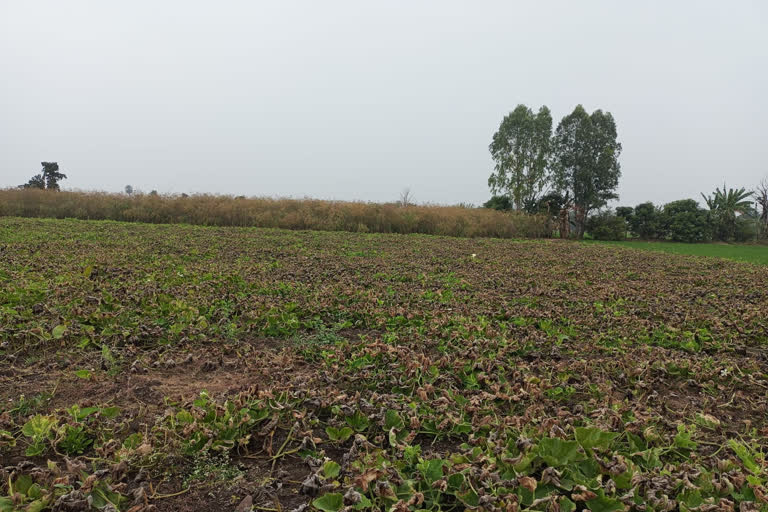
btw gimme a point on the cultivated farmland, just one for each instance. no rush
(167, 367)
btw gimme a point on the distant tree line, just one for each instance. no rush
(574, 171)
(731, 215)
(567, 174)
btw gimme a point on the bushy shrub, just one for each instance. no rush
(746, 229)
(625, 211)
(501, 203)
(686, 221)
(645, 221)
(607, 226)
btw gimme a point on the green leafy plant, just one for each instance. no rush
(339, 434)
(210, 426)
(41, 431)
(75, 440)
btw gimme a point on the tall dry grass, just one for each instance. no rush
(217, 210)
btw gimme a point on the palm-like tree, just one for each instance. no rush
(762, 199)
(725, 205)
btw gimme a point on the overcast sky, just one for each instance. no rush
(359, 99)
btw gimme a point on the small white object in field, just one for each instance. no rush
(474, 255)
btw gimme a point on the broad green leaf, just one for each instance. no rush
(22, 484)
(58, 331)
(259, 414)
(103, 495)
(557, 452)
(83, 374)
(411, 452)
(743, 452)
(331, 469)
(80, 414)
(364, 504)
(393, 420)
(605, 504)
(567, 505)
(133, 441)
(358, 421)
(469, 498)
(39, 426)
(526, 496)
(339, 434)
(37, 506)
(35, 449)
(589, 438)
(184, 417)
(332, 502)
(431, 469)
(746, 493)
(106, 355)
(202, 400)
(624, 480)
(650, 459)
(109, 412)
(455, 481)
(691, 498)
(683, 438)
(525, 463)
(35, 492)
(636, 443)
(99, 498)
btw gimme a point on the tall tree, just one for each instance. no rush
(52, 175)
(521, 150)
(586, 161)
(48, 179)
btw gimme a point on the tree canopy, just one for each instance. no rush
(48, 179)
(586, 161)
(521, 149)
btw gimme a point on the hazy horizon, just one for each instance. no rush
(354, 101)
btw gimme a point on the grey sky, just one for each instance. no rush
(357, 99)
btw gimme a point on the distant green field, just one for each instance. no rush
(750, 253)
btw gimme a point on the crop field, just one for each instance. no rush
(180, 368)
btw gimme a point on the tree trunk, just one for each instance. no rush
(565, 223)
(580, 219)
